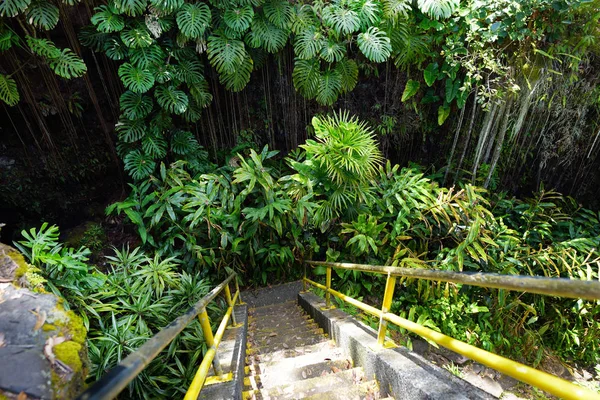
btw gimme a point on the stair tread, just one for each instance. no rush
(279, 373)
(287, 343)
(313, 386)
(295, 331)
(268, 325)
(288, 353)
(364, 391)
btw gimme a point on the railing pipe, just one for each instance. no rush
(210, 357)
(390, 284)
(561, 287)
(328, 283)
(117, 379)
(549, 286)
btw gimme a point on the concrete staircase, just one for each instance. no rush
(290, 357)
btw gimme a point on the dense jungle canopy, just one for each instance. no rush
(201, 137)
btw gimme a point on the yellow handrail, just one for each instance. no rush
(542, 380)
(213, 343)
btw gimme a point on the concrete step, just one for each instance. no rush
(279, 373)
(303, 330)
(328, 354)
(311, 387)
(364, 391)
(287, 343)
(254, 356)
(290, 307)
(270, 324)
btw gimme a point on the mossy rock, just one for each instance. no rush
(12, 264)
(33, 371)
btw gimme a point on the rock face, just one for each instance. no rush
(42, 346)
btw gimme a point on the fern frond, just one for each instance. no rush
(137, 37)
(193, 19)
(138, 164)
(107, 20)
(136, 79)
(279, 12)
(330, 87)
(10, 8)
(438, 8)
(225, 54)
(374, 44)
(131, 8)
(8, 90)
(135, 105)
(42, 15)
(306, 77)
(171, 99)
(239, 18)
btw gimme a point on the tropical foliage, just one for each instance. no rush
(34, 18)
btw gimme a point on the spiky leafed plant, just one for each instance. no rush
(340, 163)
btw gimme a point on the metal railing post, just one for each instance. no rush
(328, 285)
(237, 289)
(230, 304)
(209, 339)
(304, 288)
(390, 285)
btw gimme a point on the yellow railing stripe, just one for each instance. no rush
(547, 382)
(202, 372)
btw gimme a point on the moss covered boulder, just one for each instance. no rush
(42, 346)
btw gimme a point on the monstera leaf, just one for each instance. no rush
(131, 8)
(131, 131)
(239, 18)
(343, 20)
(308, 43)
(306, 76)
(348, 71)
(279, 12)
(193, 19)
(225, 54)
(42, 15)
(136, 37)
(267, 36)
(107, 20)
(135, 105)
(10, 8)
(330, 87)
(138, 164)
(438, 8)
(8, 90)
(68, 65)
(171, 99)
(374, 44)
(144, 57)
(136, 79)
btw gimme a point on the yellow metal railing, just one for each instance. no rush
(119, 377)
(549, 286)
(213, 342)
